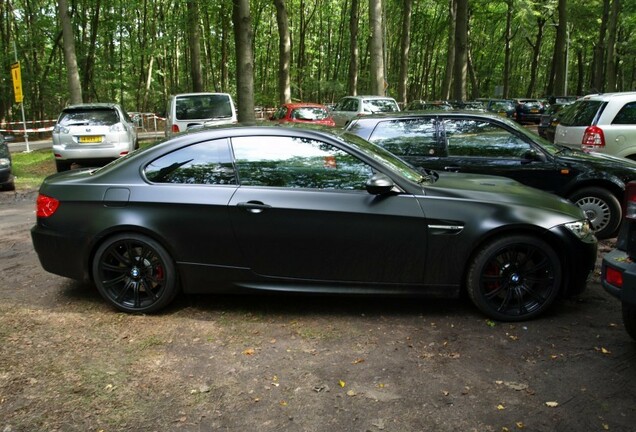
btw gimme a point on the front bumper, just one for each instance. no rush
(619, 261)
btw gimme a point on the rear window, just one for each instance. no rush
(309, 113)
(581, 113)
(379, 105)
(93, 117)
(204, 106)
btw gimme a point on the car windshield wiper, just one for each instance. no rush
(563, 149)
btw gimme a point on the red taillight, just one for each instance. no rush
(630, 201)
(614, 277)
(46, 206)
(593, 138)
(175, 128)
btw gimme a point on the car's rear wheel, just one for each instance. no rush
(629, 319)
(134, 273)
(602, 209)
(514, 278)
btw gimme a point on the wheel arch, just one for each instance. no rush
(548, 236)
(100, 238)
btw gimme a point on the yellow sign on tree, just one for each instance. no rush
(17, 81)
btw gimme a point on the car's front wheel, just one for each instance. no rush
(514, 278)
(629, 319)
(601, 208)
(134, 273)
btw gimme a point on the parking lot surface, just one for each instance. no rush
(69, 362)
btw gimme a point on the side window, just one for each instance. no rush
(413, 137)
(627, 115)
(297, 163)
(482, 139)
(205, 163)
(350, 105)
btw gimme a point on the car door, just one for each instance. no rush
(302, 212)
(477, 145)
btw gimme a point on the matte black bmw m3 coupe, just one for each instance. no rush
(252, 209)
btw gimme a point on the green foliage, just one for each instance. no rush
(138, 53)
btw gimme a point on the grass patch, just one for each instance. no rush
(31, 168)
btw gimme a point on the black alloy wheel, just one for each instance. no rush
(134, 273)
(514, 278)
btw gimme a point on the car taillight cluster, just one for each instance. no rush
(593, 138)
(175, 128)
(614, 277)
(46, 206)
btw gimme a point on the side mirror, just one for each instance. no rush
(532, 156)
(379, 184)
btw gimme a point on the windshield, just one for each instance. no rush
(379, 105)
(91, 116)
(580, 113)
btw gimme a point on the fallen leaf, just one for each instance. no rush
(341, 383)
(501, 407)
(351, 393)
(552, 404)
(520, 425)
(356, 361)
(490, 323)
(605, 426)
(249, 352)
(604, 351)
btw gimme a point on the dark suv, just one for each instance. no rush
(489, 144)
(618, 271)
(528, 110)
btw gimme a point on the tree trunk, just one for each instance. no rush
(284, 52)
(560, 54)
(450, 51)
(598, 74)
(352, 82)
(460, 67)
(536, 52)
(72, 72)
(610, 72)
(244, 60)
(404, 51)
(376, 49)
(508, 39)
(194, 39)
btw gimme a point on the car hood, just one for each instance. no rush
(599, 160)
(501, 190)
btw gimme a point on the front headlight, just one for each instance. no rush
(5, 162)
(581, 229)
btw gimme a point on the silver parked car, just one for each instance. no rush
(602, 123)
(351, 107)
(92, 134)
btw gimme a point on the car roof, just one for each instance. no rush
(294, 105)
(608, 96)
(92, 105)
(428, 113)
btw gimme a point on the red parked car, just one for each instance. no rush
(303, 113)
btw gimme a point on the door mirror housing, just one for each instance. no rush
(380, 184)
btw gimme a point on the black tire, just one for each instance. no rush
(602, 209)
(629, 319)
(134, 273)
(61, 165)
(514, 278)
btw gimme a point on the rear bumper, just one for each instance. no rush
(619, 261)
(61, 253)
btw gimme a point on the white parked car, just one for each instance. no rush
(603, 123)
(92, 134)
(351, 107)
(188, 110)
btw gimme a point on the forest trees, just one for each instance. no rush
(140, 55)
